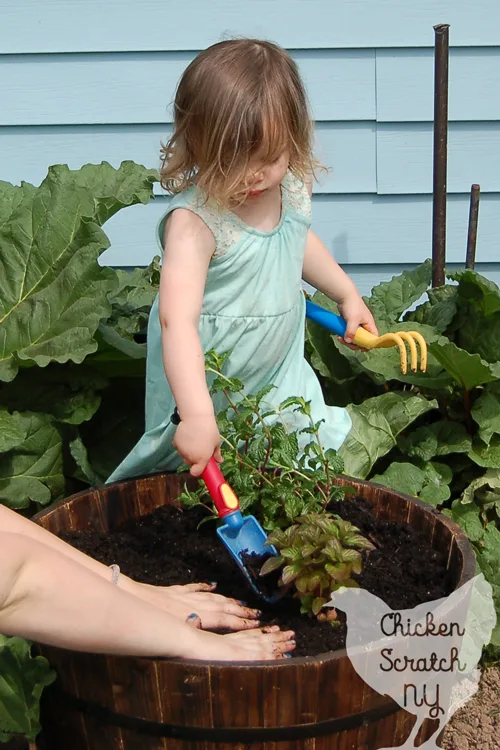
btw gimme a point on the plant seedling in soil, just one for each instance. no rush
(318, 555)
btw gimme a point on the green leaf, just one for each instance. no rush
(22, 680)
(318, 604)
(109, 189)
(478, 334)
(68, 392)
(390, 299)
(11, 433)
(485, 493)
(303, 583)
(439, 311)
(376, 424)
(468, 518)
(468, 370)
(486, 412)
(437, 439)
(403, 477)
(54, 293)
(33, 470)
(429, 481)
(473, 286)
(436, 488)
(85, 471)
(131, 298)
(487, 456)
(271, 564)
(351, 555)
(488, 554)
(114, 430)
(290, 573)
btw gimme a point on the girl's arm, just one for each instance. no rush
(51, 599)
(189, 245)
(324, 273)
(215, 611)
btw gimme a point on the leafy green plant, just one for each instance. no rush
(318, 554)
(22, 680)
(434, 435)
(69, 357)
(273, 458)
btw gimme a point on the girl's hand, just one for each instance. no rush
(263, 644)
(356, 313)
(197, 439)
(215, 612)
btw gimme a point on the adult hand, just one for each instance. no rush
(215, 612)
(262, 644)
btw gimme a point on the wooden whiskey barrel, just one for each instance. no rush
(314, 703)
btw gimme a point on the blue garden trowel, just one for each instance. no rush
(243, 536)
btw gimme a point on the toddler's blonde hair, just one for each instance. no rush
(238, 100)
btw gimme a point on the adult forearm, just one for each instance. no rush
(16, 524)
(51, 599)
(184, 363)
(322, 271)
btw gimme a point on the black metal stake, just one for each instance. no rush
(441, 58)
(470, 258)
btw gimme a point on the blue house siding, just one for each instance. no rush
(139, 25)
(86, 81)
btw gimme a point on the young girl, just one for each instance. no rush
(237, 243)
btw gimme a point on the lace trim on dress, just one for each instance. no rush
(296, 196)
(224, 225)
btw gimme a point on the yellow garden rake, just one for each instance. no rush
(367, 340)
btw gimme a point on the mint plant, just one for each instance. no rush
(318, 555)
(279, 470)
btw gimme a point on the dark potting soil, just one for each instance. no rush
(168, 548)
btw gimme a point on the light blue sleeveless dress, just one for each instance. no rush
(253, 306)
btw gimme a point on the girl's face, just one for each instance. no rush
(263, 177)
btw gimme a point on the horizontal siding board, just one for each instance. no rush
(356, 229)
(405, 161)
(139, 88)
(117, 25)
(405, 83)
(25, 153)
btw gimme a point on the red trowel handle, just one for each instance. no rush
(221, 493)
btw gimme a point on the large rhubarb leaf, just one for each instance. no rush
(437, 439)
(33, 470)
(429, 482)
(474, 287)
(486, 412)
(390, 299)
(440, 309)
(11, 433)
(377, 422)
(54, 293)
(22, 679)
(468, 370)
